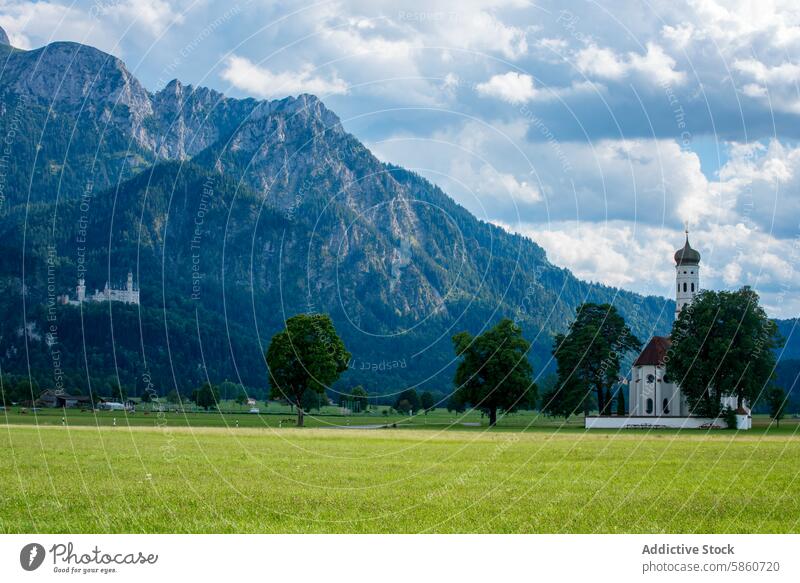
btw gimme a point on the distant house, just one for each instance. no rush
(251, 402)
(59, 400)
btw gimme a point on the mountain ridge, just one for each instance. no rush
(299, 216)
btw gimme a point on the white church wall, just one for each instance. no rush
(652, 422)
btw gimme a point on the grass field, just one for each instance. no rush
(183, 478)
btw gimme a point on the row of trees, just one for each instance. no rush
(722, 345)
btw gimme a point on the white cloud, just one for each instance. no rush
(511, 87)
(654, 65)
(517, 88)
(777, 85)
(104, 25)
(680, 35)
(154, 16)
(251, 78)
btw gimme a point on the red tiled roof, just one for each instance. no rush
(654, 352)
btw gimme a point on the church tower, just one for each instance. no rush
(687, 274)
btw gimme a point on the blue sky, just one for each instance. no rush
(597, 128)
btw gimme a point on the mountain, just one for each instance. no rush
(234, 214)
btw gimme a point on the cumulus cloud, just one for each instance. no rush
(253, 79)
(654, 65)
(511, 87)
(105, 25)
(613, 211)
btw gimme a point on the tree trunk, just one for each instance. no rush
(300, 413)
(601, 401)
(492, 417)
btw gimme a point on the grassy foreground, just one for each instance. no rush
(187, 479)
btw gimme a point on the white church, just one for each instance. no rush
(654, 402)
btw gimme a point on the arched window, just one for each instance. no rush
(692, 286)
(666, 407)
(684, 286)
(649, 406)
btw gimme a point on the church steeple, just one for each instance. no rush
(687, 274)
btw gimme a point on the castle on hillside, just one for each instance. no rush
(653, 400)
(128, 295)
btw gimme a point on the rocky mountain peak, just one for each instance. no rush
(4, 37)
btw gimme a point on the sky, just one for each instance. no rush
(596, 128)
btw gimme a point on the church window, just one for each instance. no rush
(692, 286)
(684, 286)
(666, 407)
(650, 378)
(649, 406)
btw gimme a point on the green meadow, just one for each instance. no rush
(177, 474)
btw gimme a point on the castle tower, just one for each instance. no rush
(687, 275)
(81, 289)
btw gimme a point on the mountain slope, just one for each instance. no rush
(235, 214)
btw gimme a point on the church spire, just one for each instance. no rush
(687, 271)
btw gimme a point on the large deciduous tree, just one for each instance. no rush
(722, 345)
(494, 372)
(589, 357)
(307, 354)
(206, 396)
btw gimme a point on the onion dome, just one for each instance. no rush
(687, 255)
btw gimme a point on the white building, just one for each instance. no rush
(654, 402)
(128, 295)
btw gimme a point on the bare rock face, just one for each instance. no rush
(4, 37)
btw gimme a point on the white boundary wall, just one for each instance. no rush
(651, 422)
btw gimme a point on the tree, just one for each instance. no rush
(722, 345)
(403, 406)
(494, 371)
(310, 400)
(589, 356)
(241, 396)
(359, 398)
(455, 404)
(620, 402)
(228, 390)
(427, 401)
(411, 396)
(307, 354)
(776, 400)
(206, 396)
(567, 398)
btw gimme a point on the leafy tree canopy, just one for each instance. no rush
(494, 372)
(307, 354)
(589, 357)
(722, 345)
